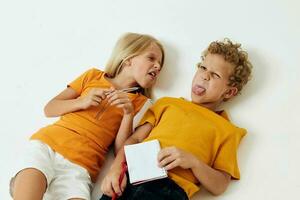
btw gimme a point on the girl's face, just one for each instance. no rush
(210, 84)
(146, 66)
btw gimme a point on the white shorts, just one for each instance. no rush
(65, 179)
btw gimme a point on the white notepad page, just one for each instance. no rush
(142, 162)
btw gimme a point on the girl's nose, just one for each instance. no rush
(157, 66)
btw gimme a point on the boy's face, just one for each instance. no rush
(210, 83)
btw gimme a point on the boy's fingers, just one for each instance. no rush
(171, 165)
(163, 153)
(166, 161)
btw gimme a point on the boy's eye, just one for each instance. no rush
(216, 75)
(202, 67)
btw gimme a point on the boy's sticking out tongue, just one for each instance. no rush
(198, 90)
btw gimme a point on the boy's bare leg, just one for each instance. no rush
(29, 184)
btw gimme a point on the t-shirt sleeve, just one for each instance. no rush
(137, 118)
(153, 114)
(149, 117)
(79, 83)
(226, 159)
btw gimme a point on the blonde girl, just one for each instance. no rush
(63, 159)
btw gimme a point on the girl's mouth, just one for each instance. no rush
(152, 75)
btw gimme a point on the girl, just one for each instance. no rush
(63, 159)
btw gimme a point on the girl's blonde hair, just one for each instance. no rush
(128, 46)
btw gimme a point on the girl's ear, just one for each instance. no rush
(127, 62)
(231, 92)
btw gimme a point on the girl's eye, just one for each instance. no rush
(151, 58)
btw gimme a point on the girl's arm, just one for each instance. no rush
(63, 103)
(121, 100)
(128, 124)
(70, 101)
(124, 132)
(110, 182)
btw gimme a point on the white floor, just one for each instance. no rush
(46, 44)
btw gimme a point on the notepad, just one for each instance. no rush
(142, 162)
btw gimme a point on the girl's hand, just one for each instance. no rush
(94, 97)
(110, 183)
(121, 100)
(171, 157)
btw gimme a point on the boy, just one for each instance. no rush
(199, 144)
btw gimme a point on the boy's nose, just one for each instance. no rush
(205, 76)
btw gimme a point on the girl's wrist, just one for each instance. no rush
(129, 115)
(79, 103)
(129, 112)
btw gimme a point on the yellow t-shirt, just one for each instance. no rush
(80, 136)
(198, 130)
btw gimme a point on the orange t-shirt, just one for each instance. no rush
(81, 137)
(195, 129)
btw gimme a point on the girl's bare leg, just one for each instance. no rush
(29, 184)
(76, 199)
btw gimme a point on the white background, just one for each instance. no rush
(46, 44)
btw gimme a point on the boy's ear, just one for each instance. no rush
(231, 92)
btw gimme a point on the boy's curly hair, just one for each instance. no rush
(233, 54)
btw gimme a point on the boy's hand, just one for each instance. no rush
(110, 183)
(171, 157)
(121, 100)
(94, 97)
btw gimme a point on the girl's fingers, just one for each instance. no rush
(117, 102)
(102, 93)
(95, 103)
(116, 187)
(106, 188)
(123, 184)
(116, 94)
(97, 99)
(110, 190)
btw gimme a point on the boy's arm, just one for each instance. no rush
(110, 183)
(215, 181)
